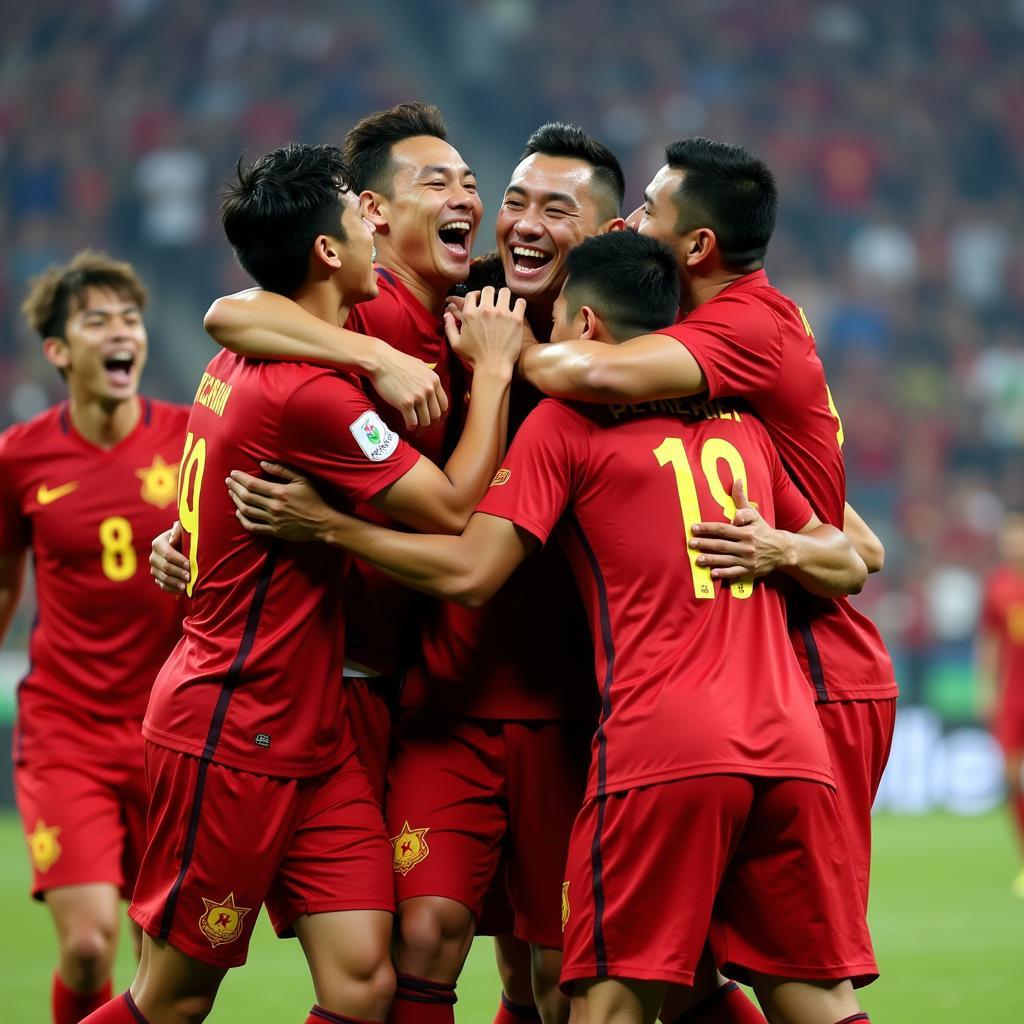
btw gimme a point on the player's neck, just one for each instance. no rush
(104, 423)
(324, 301)
(430, 295)
(538, 315)
(699, 290)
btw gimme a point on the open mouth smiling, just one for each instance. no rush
(454, 236)
(119, 366)
(528, 260)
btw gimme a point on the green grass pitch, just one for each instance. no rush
(949, 937)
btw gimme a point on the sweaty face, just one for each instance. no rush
(104, 348)
(357, 278)
(548, 209)
(434, 211)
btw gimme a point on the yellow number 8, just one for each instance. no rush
(119, 559)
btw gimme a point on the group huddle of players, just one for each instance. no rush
(642, 757)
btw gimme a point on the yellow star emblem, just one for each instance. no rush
(410, 848)
(222, 920)
(43, 845)
(159, 482)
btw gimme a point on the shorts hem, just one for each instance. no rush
(859, 975)
(476, 910)
(286, 929)
(192, 949)
(622, 972)
(38, 892)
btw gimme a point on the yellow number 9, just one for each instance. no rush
(190, 480)
(119, 560)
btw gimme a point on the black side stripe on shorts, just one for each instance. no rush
(596, 860)
(231, 681)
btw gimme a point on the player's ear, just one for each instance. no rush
(57, 353)
(327, 252)
(699, 246)
(590, 325)
(373, 206)
(614, 224)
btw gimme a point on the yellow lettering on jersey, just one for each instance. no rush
(213, 393)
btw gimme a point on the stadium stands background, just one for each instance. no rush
(894, 129)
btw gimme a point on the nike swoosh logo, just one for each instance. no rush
(45, 496)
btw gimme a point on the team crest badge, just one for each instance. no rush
(565, 904)
(44, 847)
(410, 848)
(501, 478)
(222, 922)
(159, 482)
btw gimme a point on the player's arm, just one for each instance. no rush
(863, 538)
(819, 557)
(468, 569)
(426, 498)
(265, 325)
(12, 579)
(644, 369)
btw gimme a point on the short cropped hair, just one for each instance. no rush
(629, 280)
(368, 143)
(566, 140)
(278, 206)
(59, 292)
(726, 189)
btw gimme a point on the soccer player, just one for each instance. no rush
(256, 795)
(421, 198)
(737, 336)
(82, 486)
(1001, 664)
(709, 782)
(491, 748)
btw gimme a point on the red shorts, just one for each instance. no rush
(748, 863)
(368, 706)
(84, 822)
(463, 794)
(222, 842)
(859, 735)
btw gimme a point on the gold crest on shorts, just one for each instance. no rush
(159, 482)
(410, 848)
(43, 845)
(222, 921)
(565, 904)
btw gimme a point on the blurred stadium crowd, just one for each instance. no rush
(890, 127)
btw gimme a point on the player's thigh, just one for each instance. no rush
(547, 770)
(170, 981)
(216, 839)
(805, 1002)
(345, 950)
(85, 910)
(72, 819)
(338, 857)
(643, 869)
(619, 1001)
(445, 810)
(790, 904)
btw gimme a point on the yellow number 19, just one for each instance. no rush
(190, 481)
(672, 452)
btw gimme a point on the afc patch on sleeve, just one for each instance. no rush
(373, 436)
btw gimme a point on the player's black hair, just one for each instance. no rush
(273, 213)
(483, 271)
(59, 291)
(726, 189)
(559, 139)
(629, 280)
(368, 143)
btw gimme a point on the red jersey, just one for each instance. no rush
(754, 343)
(102, 628)
(1002, 615)
(695, 678)
(379, 611)
(255, 682)
(525, 655)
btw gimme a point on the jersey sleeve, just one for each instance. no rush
(792, 510)
(380, 317)
(15, 530)
(536, 481)
(736, 342)
(332, 432)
